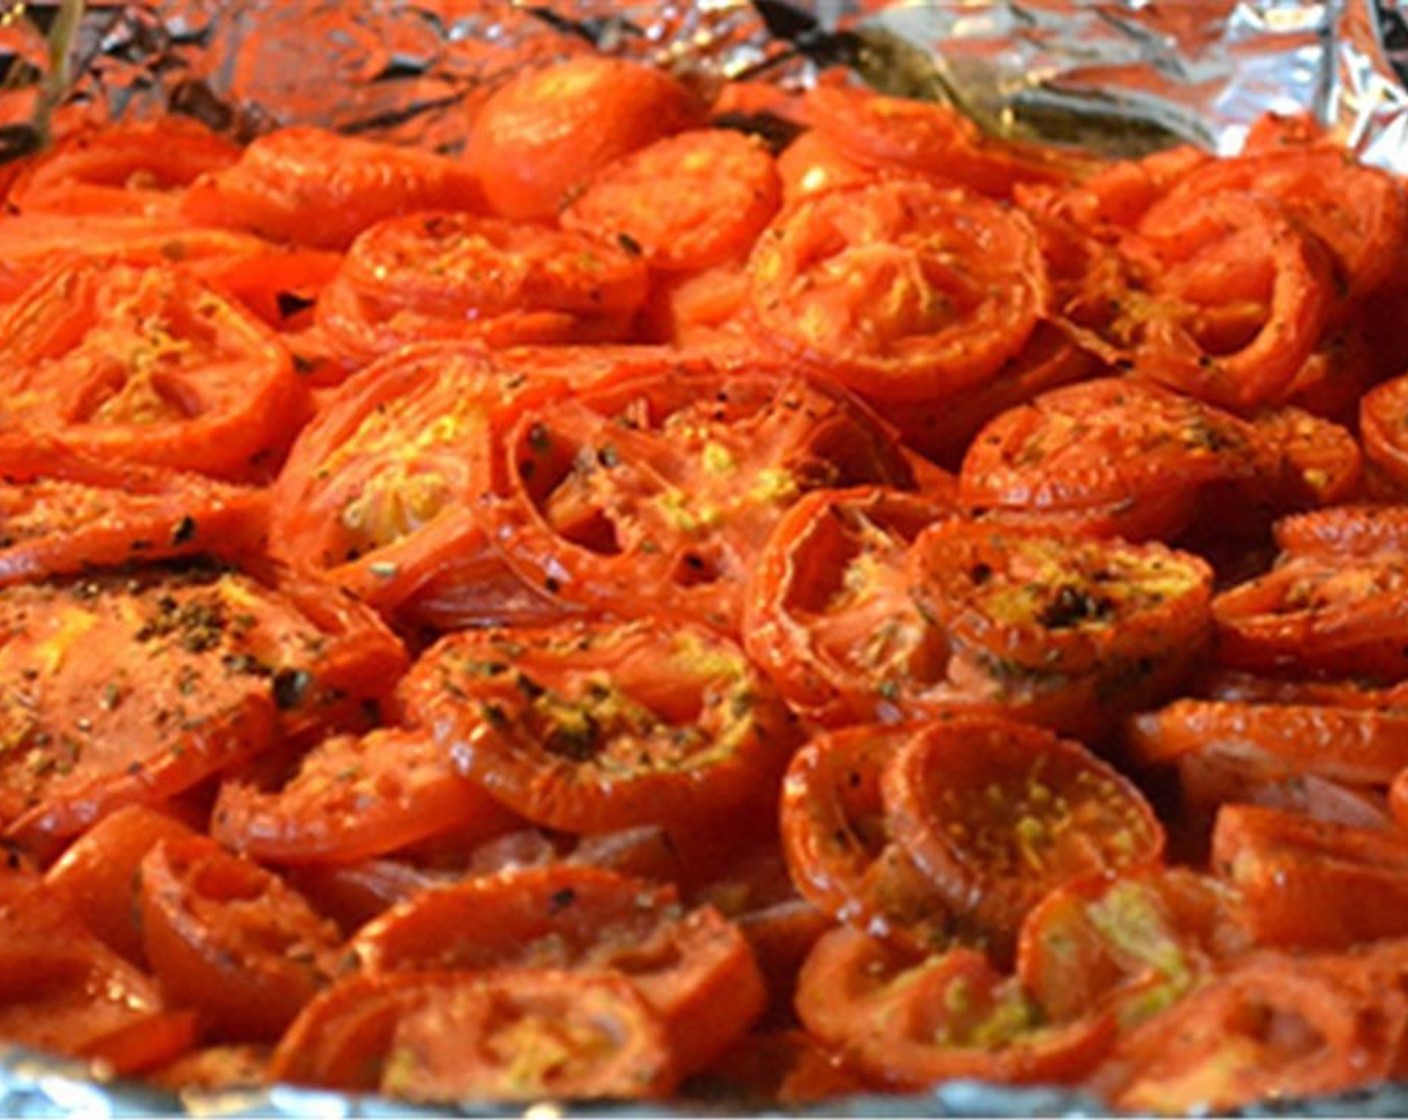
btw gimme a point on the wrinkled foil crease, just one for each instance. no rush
(1119, 75)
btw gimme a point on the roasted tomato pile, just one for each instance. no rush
(760, 598)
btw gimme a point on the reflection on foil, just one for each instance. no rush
(1121, 75)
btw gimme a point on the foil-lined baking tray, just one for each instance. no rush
(1120, 76)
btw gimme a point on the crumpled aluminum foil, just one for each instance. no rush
(1119, 75)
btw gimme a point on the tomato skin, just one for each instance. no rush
(66, 992)
(316, 188)
(540, 137)
(354, 798)
(1206, 256)
(590, 726)
(903, 290)
(230, 939)
(828, 613)
(147, 365)
(1360, 746)
(436, 1037)
(692, 967)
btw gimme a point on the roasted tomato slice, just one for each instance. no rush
(1269, 1026)
(542, 136)
(1357, 745)
(661, 489)
(65, 992)
(1309, 884)
(912, 1022)
(99, 873)
(597, 725)
(841, 855)
(382, 490)
(147, 365)
(685, 203)
(693, 966)
(317, 188)
(1114, 457)
(900, 133)
(1342, 615)
(354, 797)
(510, 1035)
(1360, 212)
(62, 513)
(211, 664)
(232, 940)
(904, 289)
(997, 813)
(126, 168)
(829, 615)
(461, 277)
(1133, 943)
(1240, 294)
(1065, 631)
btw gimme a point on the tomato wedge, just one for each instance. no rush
(232, 940)
(314, 187)
(912, 1023)
(146, 365)
(841, 855)
(124, 168)
(693, 967)
(1312, 884)
(998, 813)
(829, 615)
(544, 134)
(510, 1035)
(590, 726)
(357, 797)
(1383, 425)
(684, 203)
(903, 289)
(448, 276)
(62, 513)
(661, 489)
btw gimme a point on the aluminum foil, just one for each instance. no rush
(1119, 75)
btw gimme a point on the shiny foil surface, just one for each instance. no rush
(1121, 76)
